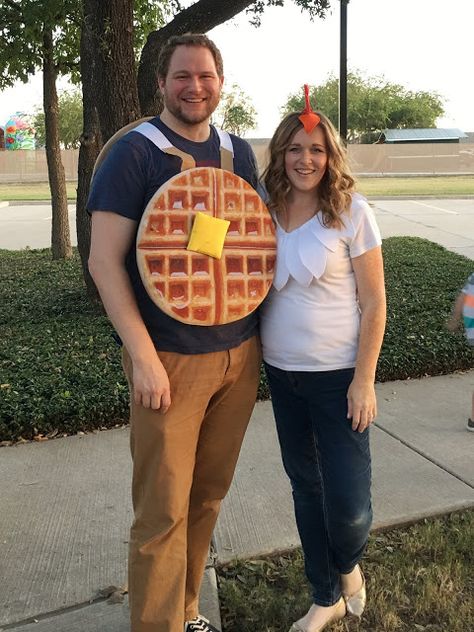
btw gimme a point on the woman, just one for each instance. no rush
(322, 328)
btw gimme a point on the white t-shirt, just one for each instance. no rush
(310, 319)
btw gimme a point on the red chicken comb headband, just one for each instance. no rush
(309, 118)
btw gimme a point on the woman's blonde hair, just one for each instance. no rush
(337, 185)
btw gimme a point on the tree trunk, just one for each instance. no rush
(60, 236)
(91, 142)
(200, 17)
(117, 94)
(110, 98)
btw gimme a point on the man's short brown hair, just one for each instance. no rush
(189, 39)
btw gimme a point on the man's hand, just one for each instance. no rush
(151, 386)
(112, 237)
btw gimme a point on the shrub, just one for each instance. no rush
(60, 367)
(422, 281)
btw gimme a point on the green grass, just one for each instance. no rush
(434, 186)
(373, 187)
(35, 191)
(60, 368)
(418, 579)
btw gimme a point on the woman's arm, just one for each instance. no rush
(362, 404)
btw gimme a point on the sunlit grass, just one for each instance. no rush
(439, 185)
(418, 579)
(36, 191)
(372, 187)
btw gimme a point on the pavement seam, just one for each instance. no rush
(415, 221)
(407, 197)
(44, 616)
(425, 456)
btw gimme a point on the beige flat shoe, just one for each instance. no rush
(338, 614)
(355, 603)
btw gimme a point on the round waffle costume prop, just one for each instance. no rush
(197, 288)
(193, 287)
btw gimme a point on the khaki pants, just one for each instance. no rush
(183, 463)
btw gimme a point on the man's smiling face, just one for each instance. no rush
(192, 87)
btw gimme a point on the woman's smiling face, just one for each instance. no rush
(306, 160)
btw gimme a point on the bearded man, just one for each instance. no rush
(192, 388)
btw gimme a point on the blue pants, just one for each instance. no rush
(330, 472)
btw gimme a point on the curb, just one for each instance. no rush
(36, 202)
(370, 198)
(103, 615)
(467, 196)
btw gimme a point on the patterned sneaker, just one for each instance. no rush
(199, 624)
(470, 425)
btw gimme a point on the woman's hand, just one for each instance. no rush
(361, 404)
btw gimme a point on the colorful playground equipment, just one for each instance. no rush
(19, 132)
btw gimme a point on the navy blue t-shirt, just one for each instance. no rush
(128, 178)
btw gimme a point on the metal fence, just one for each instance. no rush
(393, 160)
(31, 166)
(407, 159)
(377, 160)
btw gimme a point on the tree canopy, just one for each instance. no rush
(236, 113)
(374, 104)
(201, 17)
(23, 25)
(70, 121)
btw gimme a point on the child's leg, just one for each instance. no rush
(470, 422)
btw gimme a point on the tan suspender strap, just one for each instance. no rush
(227, 150)
(227, 159)
(157, 137)
(188, 160)
(121, 132)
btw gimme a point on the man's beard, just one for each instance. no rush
(189, 118)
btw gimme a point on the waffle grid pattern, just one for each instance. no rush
(194, 288)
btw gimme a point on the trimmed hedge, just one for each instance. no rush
(422, 281)
(60, 367)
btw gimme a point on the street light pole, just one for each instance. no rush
(343, 73)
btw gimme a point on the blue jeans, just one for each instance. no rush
(329, 468)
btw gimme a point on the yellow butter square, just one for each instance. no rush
(208, 235)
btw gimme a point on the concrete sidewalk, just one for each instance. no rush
(447, 221)
(66, 508)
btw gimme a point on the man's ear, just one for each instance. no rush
(161, 84)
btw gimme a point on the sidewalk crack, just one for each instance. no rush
(44, 616)
(425, 456)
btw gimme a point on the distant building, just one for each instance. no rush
(427, 135)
